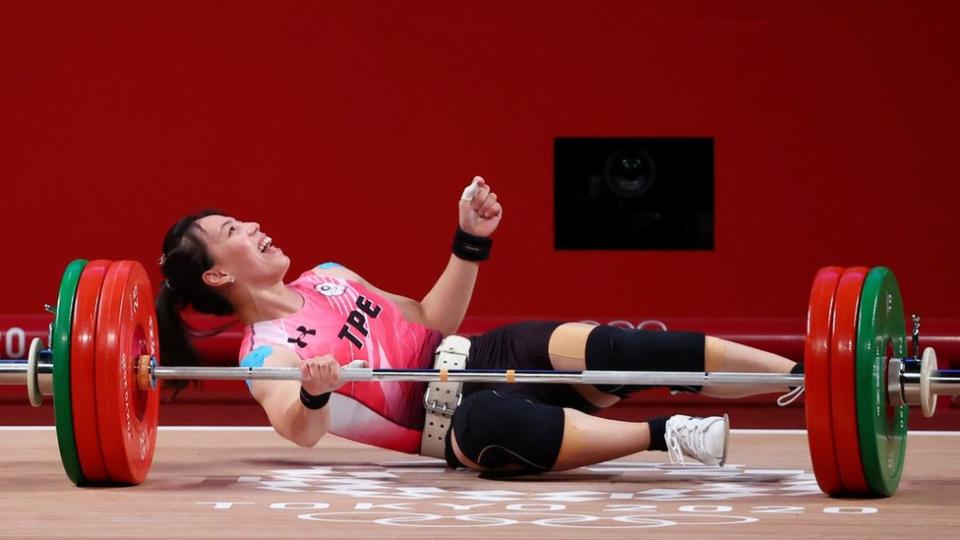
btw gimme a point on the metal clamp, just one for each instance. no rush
(146, 373)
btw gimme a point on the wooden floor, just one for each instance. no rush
(249, 483)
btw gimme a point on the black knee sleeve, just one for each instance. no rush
(616, 349)
(507, 433)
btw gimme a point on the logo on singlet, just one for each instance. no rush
(329, 289)
(304, 332)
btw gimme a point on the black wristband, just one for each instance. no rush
(471, 248)
(311, 401)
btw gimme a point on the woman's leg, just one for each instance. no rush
(722, 355)
(590, 439)
(506, 433)
(568, 350)
(524, 430)
(586, 440)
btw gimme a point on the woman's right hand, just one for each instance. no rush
(320, 374)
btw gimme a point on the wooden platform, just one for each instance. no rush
(249, 483)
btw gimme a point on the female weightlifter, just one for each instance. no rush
(330, 316)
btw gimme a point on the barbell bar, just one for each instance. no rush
(905, 386)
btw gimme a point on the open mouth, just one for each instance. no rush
(265, 243)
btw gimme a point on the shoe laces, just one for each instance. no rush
(790, 396)
(687, 432)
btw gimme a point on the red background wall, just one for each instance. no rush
(348, 130)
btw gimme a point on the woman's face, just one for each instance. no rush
(240, 251)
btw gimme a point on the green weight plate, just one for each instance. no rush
(62, 410)
(881, 335)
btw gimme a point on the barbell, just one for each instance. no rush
(103, 365)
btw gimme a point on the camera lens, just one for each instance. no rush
(629, 173)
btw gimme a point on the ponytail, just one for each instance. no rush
(184, 260)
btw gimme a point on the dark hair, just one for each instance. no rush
(185, 258)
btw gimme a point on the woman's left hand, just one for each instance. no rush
(480, 212)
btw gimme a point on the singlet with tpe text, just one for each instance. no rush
(342, 318)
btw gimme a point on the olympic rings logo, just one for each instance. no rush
(651, 324)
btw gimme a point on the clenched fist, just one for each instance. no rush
(320, 374)
(480, 213)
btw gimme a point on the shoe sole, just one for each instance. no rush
(726, 439)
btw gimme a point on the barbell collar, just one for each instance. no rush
(898, 393)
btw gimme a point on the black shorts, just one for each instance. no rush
(522, 345)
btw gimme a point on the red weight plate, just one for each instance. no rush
(126, 329)
(82, 380)
(843, 383)
(816, 357)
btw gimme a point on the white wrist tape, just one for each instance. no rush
(471, 190)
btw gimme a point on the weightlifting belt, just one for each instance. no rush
(441, 398)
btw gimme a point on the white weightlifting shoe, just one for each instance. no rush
(703, 439)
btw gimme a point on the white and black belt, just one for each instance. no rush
(442, 398)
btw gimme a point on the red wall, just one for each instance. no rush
(348, 130)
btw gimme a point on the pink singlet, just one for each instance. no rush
(342, 318)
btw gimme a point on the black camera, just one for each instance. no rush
(638, 193)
